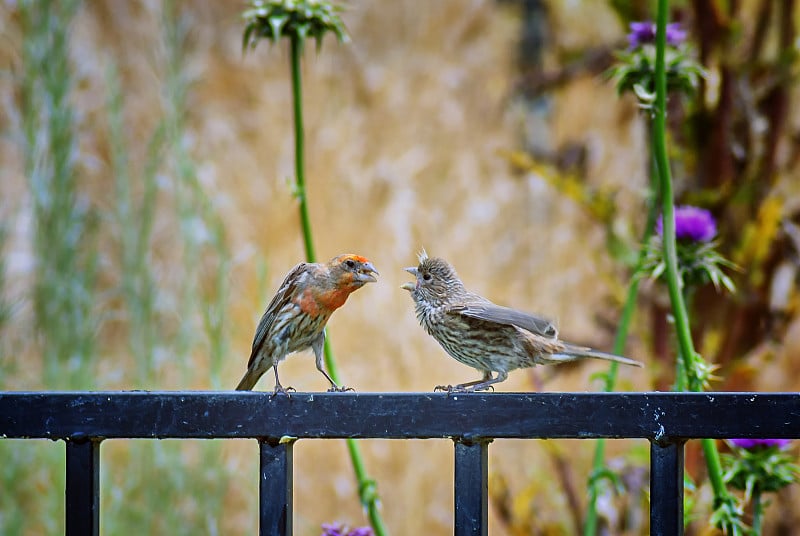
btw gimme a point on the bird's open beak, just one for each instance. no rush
(368, 273)
(410, 286)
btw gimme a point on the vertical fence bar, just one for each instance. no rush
(666, 489)
(83, 488)
(275, 488)
(471, 488)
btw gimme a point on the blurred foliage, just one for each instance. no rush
(65, 272)
(70, 315)
(766, 469)
(734, 152)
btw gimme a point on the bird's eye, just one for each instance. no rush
(426, 277)
(350, 264)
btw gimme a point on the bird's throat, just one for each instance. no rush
(328, 300)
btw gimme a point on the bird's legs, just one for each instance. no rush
(484, 384)
(462, 387)
(280, 388)
(317, 347)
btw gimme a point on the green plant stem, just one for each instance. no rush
(758, 511)
(590, 526)
(296, 48)
(681, 372)
(679, 310)
(366, 486)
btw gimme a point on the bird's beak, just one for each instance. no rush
(368, 273)
(410, 286)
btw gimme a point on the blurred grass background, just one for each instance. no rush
(146, 218)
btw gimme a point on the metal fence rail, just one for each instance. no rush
(667, 420)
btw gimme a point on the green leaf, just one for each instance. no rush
(276, 24)
(248, 32)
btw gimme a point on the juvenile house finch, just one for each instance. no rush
(483, 335)
(295, 318)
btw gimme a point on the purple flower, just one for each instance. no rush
(675, 35)
(361, 531)
(692, 224)
(753, 444)
(332, 529)
(337, 529)
(643, 33)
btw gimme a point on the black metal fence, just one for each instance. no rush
(667, 420)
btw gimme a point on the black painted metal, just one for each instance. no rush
(84, 419)
(666, 488)
(471, 488)
(275, 488)
(83, 488)
(395, 416)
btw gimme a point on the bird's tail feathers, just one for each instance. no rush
(249, 380)
(572, 353)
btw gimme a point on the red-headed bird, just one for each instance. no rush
(295, 318)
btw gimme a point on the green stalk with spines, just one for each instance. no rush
(366, 486)
(621, 337)
(722, 499)
(272, 19)
(758, 512)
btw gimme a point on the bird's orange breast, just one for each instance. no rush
(333, 299)
(315, 303)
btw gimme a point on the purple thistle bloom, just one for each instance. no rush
(754, 444)
(692, 224)
(643, 33)
(332, 529)
(337, 529)
(675, 35)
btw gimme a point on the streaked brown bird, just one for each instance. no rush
(295, 318)
(485, 336)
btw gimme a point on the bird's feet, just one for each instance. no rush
(450, 388)
(339, 389)
(462, 388)
(280, 389)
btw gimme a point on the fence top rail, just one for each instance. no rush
(77, 416)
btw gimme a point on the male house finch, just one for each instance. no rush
(483, 335)
(295, 318)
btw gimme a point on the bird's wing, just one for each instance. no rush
(286, 290)
(503, 315)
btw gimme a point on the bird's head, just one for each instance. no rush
(351, 270)
(436, 279)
